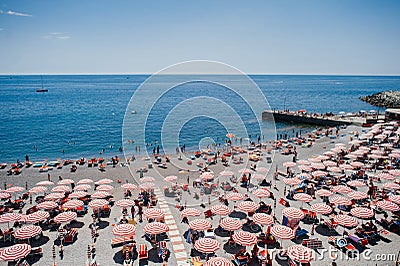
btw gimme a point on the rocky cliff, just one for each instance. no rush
(388, 99)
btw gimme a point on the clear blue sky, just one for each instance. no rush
(299, 36)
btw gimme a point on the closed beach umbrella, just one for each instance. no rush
(73, 204)
(129, 186)
(124, 203)
(218, 261)
(124, 230)
(303, 197)
(35, 217)
(230, 224)
(234, 196)
(171, 178)
(356, 183)
(263, 219)
(85, 181)
(10, 217)
(300, 253)
(98, 203)
(153, 213)
(200, 224)
(44, 183)
(82, 187)
(220, 209)
(387, 205)
(391, 186)
(61, 189)
(261, 193)
(247, 206)
(104, 181)
(339, 200)
(65, 182)
(321, 208)
(15, 252)
(362, 212)
(77, 195)
(104, 188)
(293, 213)
(54, 196)
(244, 238)
(65, 217)
(345, 220)
(341, 189)
(357, 195)
(188, 212)
(27, 231)
(206, 245)
(156, 228)
(100, 195)
(395, 198)
(282, 232)
(324, 193)
(47, 205)
(38, 189)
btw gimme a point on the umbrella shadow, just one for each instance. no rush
(103, 224)
(76, 224)
(281, 260)
(252, 229)
(238, 214)
(118, 257)
(222, 233)
(324, 231)
(41, 241)
(231, 249)
(153, 256)
(34, 259)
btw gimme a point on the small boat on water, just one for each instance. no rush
(42, 89)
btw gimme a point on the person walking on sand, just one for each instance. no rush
(48, 177)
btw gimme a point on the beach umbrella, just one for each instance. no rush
(15, 189)
(357, 195)
(245, 171)
(124, 230)
(147, 179)
(38, 189)
(82, 187)
(77, 195)
(65, 217)
(318, 166)
(5, 195)
(334, 169)
(104, 181)
(386, 176)
(356, 183)
(234, 196)
(395, 198)
(104, 188)
(15, 252)
(85, 181)
(261, 193)
(10, 217)
(303, 197)
(73, 204)
(220, 209)
(218, 261)
(391, 186)
(35, 217)
(47, 205)
(27, 231)
(100, 195)
(303, 176)
(293, 213)
(146, 186)
(129, 186)
(44, 183)
(54, 196)
(292, 181)
(65, 182)
(339, 200)
(200, 224)
(247, 206)
(346, 166)
(226, 173)
(321, 208)
(319, 173)
(258, 177)
(244, 238)
(289, 164)
(357, 164)
(341, 189)
(61, 189)
(188, 212)
(314, 160)
(345, 220)
(230, 224)
(263, 219)
(98, 203)
(206, 176)
(124, 203)
(388, 205)
(230, 135)
(206, 245)
(171, 178)
(324, 193)
(282, 232)
(362, 212)
(153, 213)
(329, 153)
(323, 157)
(300, 253)
(305, 168)
(156, 228)
(303, 162)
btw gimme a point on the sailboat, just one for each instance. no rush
(42, 89)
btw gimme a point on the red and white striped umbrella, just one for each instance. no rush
(318, 166)
(98, 203)
(220, 209)
(356, 183)
(5, 195)
(395, 198)
(129, 186)
(323, 157)
(100, 195)
(226, 173)
(324, 193)
(54, 196)
(346, 166)
(85, 181)
(345, 220)
(395, 172)
(104, 188)
(104, 181)
(245, 171)
(329, 163)
(188, 212)
(314, 160)
(334, 169)
(245, 238)
(15, 189)
(303, 176)
(247, 206)
(124, 203)
(263, 219)
(230, 224)
(386, 176)
(153, 213)
(362, 212)
(282, 232)
(146, 186)
(10, 217)
(258, 177)
(303, 197)
(200, 224)
(206, 176)
(339, 200)
(65, 217)
(124, 230)
(27, 231)
(300, 253)
(147, 179)
(77, 195)
(305, 168)
(156, 228)
(35, 217)
(261, 193)
(73, 204)
(82, 187)
(357, 164)
(341, 189)
(321, 208)
(234, 196)
(289, 164)
(387, 205)
(171, 178)
(15, 252)
(65, 182)
(391, 186)
(292, 181)
(218, 261)
(38, 189)
(47, 205)
(44, 183)
(61, 189)
(357, 195)
(303, 162)
(319, 173)
(293, 213)
(206, 245)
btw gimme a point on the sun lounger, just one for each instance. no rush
(115, 242)
(70, 236)
(143, 254)
(35, 252)
(313, 243)
(196, 261)
(23, 263)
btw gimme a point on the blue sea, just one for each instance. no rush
(82, 115)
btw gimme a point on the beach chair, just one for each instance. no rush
(196, 261)
(115, 242)
(35, 252)
(23, 263)
(70, 236)
(143, 254)
(208, 214)
(162, 249)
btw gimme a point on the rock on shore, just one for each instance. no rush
(388, 99)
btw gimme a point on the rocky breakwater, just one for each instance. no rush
(388, 99)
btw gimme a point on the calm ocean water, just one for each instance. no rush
(83, 114)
